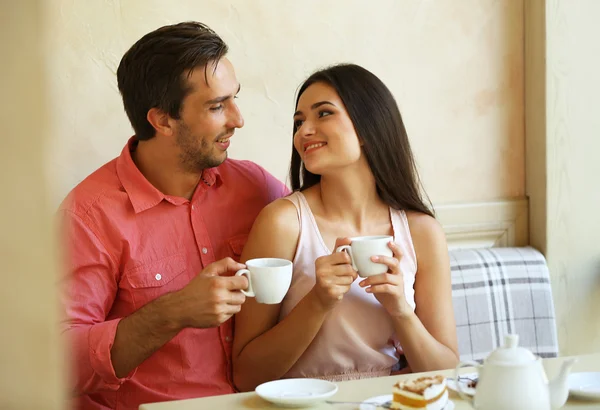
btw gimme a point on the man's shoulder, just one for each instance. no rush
(252, 176)
(242, 166)
(245, 171)
(92, 190)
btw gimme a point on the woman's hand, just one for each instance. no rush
(334, 276)
(388, 287)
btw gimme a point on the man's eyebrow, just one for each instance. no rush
(315, 105)
(223, 98)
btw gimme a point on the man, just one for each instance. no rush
(154, 234)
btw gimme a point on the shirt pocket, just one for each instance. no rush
(151, 280)
(236, 246)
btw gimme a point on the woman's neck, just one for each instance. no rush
(351, 195)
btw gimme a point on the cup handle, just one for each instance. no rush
(347, 249)
(250, 291)
(459, 389)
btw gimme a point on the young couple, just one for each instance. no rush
(155, 235)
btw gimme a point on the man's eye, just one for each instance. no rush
(217, 108)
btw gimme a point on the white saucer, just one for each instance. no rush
(585, 385)
(296, 392)
(368, 404)
(469, 391)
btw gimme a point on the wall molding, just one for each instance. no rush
(499, 223)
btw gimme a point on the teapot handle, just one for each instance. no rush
(459, 389)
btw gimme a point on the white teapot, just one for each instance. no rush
(512, 378)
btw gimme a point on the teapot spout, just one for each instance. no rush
(559, 386)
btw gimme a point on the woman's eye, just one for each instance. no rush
(217, 108)
(324, 113)
(298, 123)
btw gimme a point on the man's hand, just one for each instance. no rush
(210, 299)
(213, 296)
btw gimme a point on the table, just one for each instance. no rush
(359, 390)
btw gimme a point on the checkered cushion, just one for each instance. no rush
(497, 291)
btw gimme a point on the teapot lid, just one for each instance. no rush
(510, 354)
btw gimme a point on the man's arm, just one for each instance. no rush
(89, 287)
(106, 353)
(207, 301)
(274, 187)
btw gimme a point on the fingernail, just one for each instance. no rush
(374, 258)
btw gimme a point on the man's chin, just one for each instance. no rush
(216, 160)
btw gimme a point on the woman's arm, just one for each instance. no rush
(427, 335)
(263, 349)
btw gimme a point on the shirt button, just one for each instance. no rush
(158, 276)
(204, 251)
(228, 338)
(193, 207)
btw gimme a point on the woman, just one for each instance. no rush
(353, 174)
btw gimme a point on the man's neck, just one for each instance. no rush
(160, 166)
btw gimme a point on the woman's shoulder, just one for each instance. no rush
(280, 215)
(275, 232)
(425, 231)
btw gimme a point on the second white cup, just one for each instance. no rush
(363, 248)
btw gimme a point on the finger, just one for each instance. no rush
(231, 310)
(396, 250)
(338, 292)
(392, 263)
(223, 266)
(342, 241)
(385, 288)
(343, 280)
(235, 282)
(236, 298)
(336, 258)
(344, 270)
(384, 278)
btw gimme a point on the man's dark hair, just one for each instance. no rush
(154, 72)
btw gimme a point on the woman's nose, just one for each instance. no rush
(307, 128)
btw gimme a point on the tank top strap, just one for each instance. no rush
(402, 235)
(309, 230)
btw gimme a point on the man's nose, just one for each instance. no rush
(235, 119)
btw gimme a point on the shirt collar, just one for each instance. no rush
(142, 194)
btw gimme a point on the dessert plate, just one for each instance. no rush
(376, 402)
(296, 392)
(464, 381)
(585, 385)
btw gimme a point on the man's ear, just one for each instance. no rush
(161, 121)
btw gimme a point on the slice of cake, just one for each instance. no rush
(424, 393)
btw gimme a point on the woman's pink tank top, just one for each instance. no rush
(357, 338)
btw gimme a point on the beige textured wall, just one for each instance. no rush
(569, 234)
(30, 364)
(455, 67)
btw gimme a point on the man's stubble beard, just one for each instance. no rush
(194, 158)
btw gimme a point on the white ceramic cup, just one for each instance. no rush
(362, 248)
(268, 279)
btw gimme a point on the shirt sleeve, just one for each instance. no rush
(88, 289)
(275, 188)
